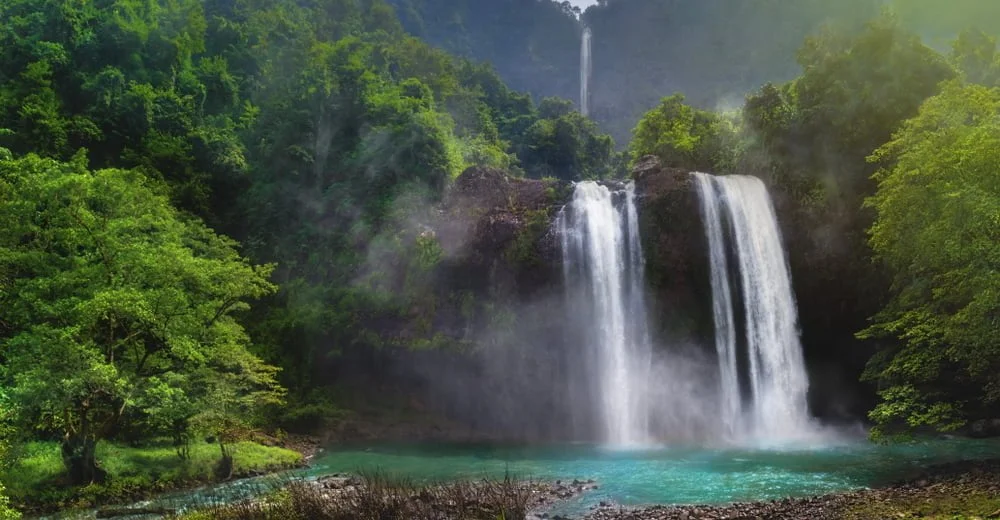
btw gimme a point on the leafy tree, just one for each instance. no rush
(936, 230)
(564, 144)
(113, 304)
(856, 91)
(683, 137)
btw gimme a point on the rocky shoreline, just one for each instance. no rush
(969, 488)
(934, 487)
(538, 495)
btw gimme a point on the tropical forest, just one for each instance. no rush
(499, 259)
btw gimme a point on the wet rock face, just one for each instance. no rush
(676, 252)
(496, 294)
(499, 226)
(494, 207)
(497, 236)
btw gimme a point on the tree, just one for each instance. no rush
(566, 145)
(682, 136)
(129, 81)
(936, 230)
(975, 54)
(112, 303)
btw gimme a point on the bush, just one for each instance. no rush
(6, 513)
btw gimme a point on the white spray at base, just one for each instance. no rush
(601, 250)
(585, 67)
(776, 408)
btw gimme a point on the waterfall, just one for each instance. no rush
(776, 406)
(722, 308)
(602, 257)
(585, 72)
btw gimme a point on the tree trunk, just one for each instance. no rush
(224, 469)
(79, 455)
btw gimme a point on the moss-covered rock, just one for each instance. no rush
(676, 251)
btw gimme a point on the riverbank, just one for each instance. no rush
(967, 490)
(377, 495)
(36, 483)
(963, 490)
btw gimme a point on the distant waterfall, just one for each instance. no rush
(585, 67)
(603, 257)
(739, 207)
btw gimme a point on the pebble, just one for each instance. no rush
(953, 479)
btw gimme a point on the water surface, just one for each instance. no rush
(657, 475)
(667, 475)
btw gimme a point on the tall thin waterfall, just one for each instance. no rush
(776, 406)
(603, 257)
(585, 67)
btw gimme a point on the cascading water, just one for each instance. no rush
(775, 371)
(585, 67)
(603, 257)
(722, 309)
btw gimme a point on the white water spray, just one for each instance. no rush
(585, 67)
(601, 251)
(776, 407)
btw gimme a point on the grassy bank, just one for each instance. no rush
(36, 482)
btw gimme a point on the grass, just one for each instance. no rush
(943, 504)
(380, 497)
(36, 481)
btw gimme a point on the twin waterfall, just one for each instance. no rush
(739, 207)
(602, 257)
(761, 373)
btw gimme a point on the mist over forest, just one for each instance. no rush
(714, 51)
(234, 232)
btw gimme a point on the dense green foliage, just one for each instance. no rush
(685, 137)
(6, 512)
(118, 311)
(315, 133)
(938, 207)
(123, 80)
(854, 91)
